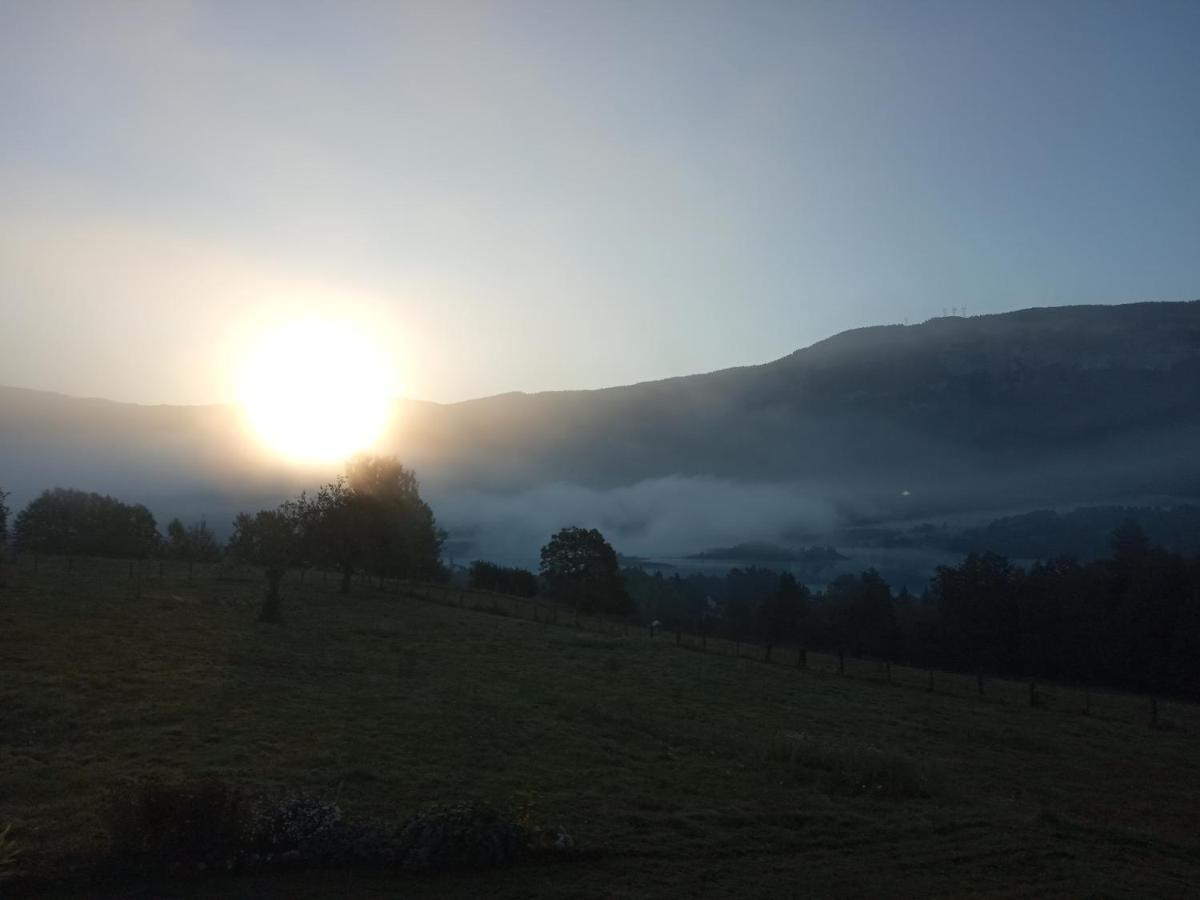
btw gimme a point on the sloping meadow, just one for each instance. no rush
(671, 771)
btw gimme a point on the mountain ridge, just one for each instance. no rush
(1037, 407)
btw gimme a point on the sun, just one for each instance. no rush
(317, 390)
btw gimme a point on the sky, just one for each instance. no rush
(539, 196)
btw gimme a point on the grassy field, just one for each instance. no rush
(679, 772)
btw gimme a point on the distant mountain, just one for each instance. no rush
(1037, 408)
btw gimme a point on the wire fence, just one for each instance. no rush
(149, 575)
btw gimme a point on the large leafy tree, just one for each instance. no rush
(272, 539)
(77, 523)
(780, 612)
(372, 519)
(580, 568)
(977, 605)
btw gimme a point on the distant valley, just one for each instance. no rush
(957, 420)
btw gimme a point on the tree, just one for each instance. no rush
(76, 523)
(580, 568)
(3, 532)
(977, 602)
(3, 519)
(271, 539)
(873, 617)
(779, 613)
(372, 519)
(191, 544)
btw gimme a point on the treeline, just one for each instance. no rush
(1130, 620)
(70, 522)
(486, 576)
(371, 520)
(1082, 533)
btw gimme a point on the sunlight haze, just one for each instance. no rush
(544, 196)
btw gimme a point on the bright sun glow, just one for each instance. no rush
(317, 390)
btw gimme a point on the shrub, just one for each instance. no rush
(181, 830)
(463, 836)
(853, 770)
(10, 852)
(305, 829)
(302, 824)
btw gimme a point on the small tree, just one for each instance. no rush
(3, 533)
(779, 613)
(580, 567)
(191, 544)
(271, 539)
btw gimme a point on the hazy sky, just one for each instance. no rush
(527, 196)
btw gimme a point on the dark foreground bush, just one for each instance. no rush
(463, 836)
(308, 830)
(180, 830)
(195, 828)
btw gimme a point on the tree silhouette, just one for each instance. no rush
(580, 568)
(779, 613)
(76, 523)
(191, 544)
(271, 539)
(372, 519)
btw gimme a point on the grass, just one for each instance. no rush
(677, 773)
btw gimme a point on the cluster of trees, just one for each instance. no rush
(1130, 620)
(370, 520)
(77, 523)
(1082, 533)
(70, 522)
(486, 576)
